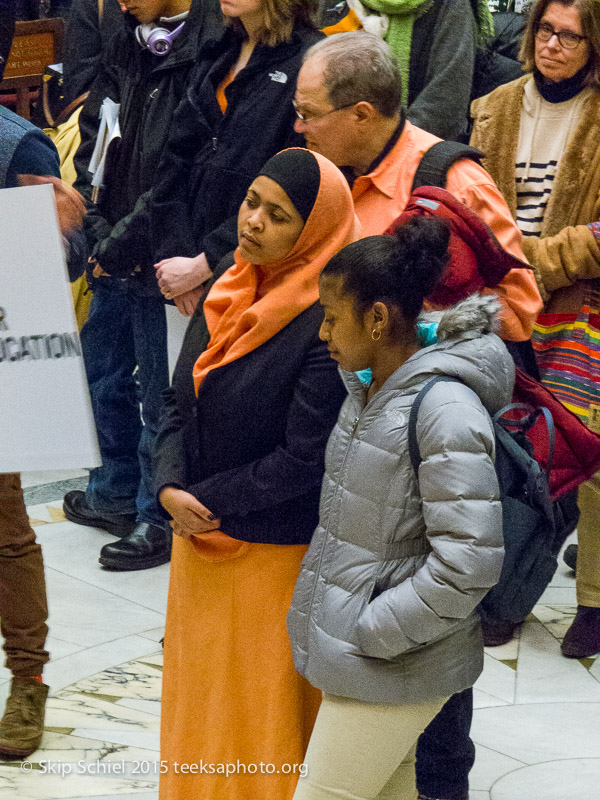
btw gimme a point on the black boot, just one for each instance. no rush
(77, 510)
(582, 640)
(146, 546)
(496, 632)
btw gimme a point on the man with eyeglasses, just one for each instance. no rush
(348, 107)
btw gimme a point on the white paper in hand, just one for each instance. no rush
(108, 131)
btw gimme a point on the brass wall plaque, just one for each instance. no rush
(30, 55)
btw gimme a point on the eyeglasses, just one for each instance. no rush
(566, 39)
(308, 117)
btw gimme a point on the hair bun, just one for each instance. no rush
(400, 269)
(422, 252)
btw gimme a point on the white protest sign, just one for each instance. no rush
(46, 419)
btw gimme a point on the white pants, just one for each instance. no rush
(364, 751)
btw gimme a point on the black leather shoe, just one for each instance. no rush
(582, 640)
(146, 546)
(77, 510)
(570, 557)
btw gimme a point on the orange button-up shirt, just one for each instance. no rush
(381, 196)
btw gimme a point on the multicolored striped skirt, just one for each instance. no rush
(567, 347)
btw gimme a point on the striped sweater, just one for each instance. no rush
(544, 133)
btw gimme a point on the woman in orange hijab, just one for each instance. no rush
(239, 464)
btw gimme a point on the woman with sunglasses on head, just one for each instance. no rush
(541, 138)
(239, 463)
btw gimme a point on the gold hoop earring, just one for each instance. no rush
(375, 338)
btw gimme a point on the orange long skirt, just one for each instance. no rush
(236, 716)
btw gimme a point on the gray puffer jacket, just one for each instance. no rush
(383, 610)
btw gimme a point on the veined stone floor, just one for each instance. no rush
(537, 718)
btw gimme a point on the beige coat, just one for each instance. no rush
(565, 253)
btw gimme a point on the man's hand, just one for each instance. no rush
(189, 515)
(179, 275)
(70, 208)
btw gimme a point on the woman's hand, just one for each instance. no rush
(189, 515)
(179, 275)
(186, 303)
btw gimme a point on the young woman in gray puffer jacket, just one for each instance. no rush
(383, 616)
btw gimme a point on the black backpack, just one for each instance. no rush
(531, 543)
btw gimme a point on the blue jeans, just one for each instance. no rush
(125, 331)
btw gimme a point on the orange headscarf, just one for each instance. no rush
(248, 305)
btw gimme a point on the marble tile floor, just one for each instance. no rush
(536, 721)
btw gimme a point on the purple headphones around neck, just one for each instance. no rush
(156, 39)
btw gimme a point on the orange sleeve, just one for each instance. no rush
(518, 292)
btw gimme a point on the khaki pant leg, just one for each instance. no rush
(588, 537)
(364, 751)
(23, 605)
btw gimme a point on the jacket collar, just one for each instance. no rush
(222, 49)
(577, 172)
(386, 174)
(467, 349)
(500, 147)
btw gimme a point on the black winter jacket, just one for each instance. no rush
(211, 158)
(86, 37)
(148, 89)
(251, 446)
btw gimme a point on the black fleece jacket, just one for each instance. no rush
(7, 29)
(211, 158)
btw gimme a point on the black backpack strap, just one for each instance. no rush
(528, 421)
(436, 162)
(413, 444)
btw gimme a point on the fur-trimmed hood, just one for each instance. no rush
(477, 314)
(467, 348)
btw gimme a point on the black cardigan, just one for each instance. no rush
(211, 158)
(251, 446)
